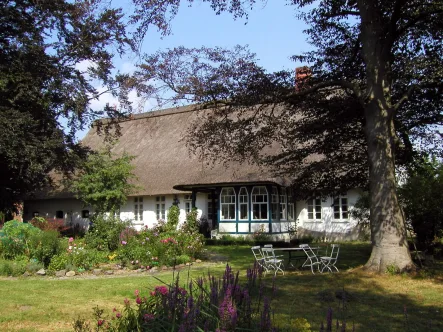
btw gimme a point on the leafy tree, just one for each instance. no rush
(103, 181)
(422, 198)
(43, 90)
(368, 102)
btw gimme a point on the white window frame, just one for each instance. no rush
(283, 205)
(316, 214)
(138, 208)
(340, 208)
(160, 207)
(188, 203)
(259, 199)
(243, 200)
(274, 203)
(227, 203)
(291, 207)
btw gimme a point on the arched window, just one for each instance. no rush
(243, 204)
(259, 199)
(227, 204)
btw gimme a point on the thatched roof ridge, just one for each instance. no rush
(162, 160)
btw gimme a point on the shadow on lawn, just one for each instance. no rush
(372, 302)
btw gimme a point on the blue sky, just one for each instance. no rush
(272, 32)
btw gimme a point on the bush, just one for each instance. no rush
(205, 304)
(59, 262)
(13, 268)
(49, 224)
(104, 233)
(45, 245)
(15, 237)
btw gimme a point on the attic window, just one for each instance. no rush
(59, 214)
(85, 213)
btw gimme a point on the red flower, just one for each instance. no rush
(100, 322)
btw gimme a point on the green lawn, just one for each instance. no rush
(376, 302)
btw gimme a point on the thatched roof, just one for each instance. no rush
(164, 164)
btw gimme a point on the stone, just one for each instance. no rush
(109, 272)
(198, 260)
(181, 265)
(97, 271)
(154, 269)
(26, 274)
(60, 273)
(188, 264)
(164, 268)
(41, 272)
(70, 274)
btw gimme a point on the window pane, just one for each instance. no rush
(263, 211)
(243, 211)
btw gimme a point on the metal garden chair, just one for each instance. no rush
(259, 258)
(271, 261)
(270, 246)
(312, 260)
(328, 262)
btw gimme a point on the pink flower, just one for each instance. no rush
(118, 315)
(100, 322)
(124, 242)
(148, 317)
(126, 302)
(136, 292)
(138, 300)
(71, 239)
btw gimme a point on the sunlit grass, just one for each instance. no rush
(374, 303)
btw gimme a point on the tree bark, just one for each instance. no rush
(388, 230)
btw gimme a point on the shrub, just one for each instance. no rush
(49, 224)
(15, 237)
(104, 233)
(59, 262)
(45, 245)
(13, 268)
(205, 304)
(173, 218)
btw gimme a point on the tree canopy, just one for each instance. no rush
(370, 100)
(103, 181)
(44, 96)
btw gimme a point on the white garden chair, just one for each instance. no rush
(328, 262)
(215, 235)
(312, 260)
(270, 246)
(271, 261)
(259, 258)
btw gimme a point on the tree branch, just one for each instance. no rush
(404, 98)
(341, 83)
(343, 13)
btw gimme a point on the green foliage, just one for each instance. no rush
(40, 85)
(173, 217)
(360, 211)
(16, 237)
(161, 245)
(422, 198)
(59, 262)
(104, 233)
(103, 181)
(13, 268)
(210, 304)
(45, 245)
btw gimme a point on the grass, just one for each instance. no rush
(375, 302)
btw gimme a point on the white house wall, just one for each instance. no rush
(72, 210)
(327, 227)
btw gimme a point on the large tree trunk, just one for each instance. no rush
(388, 231)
